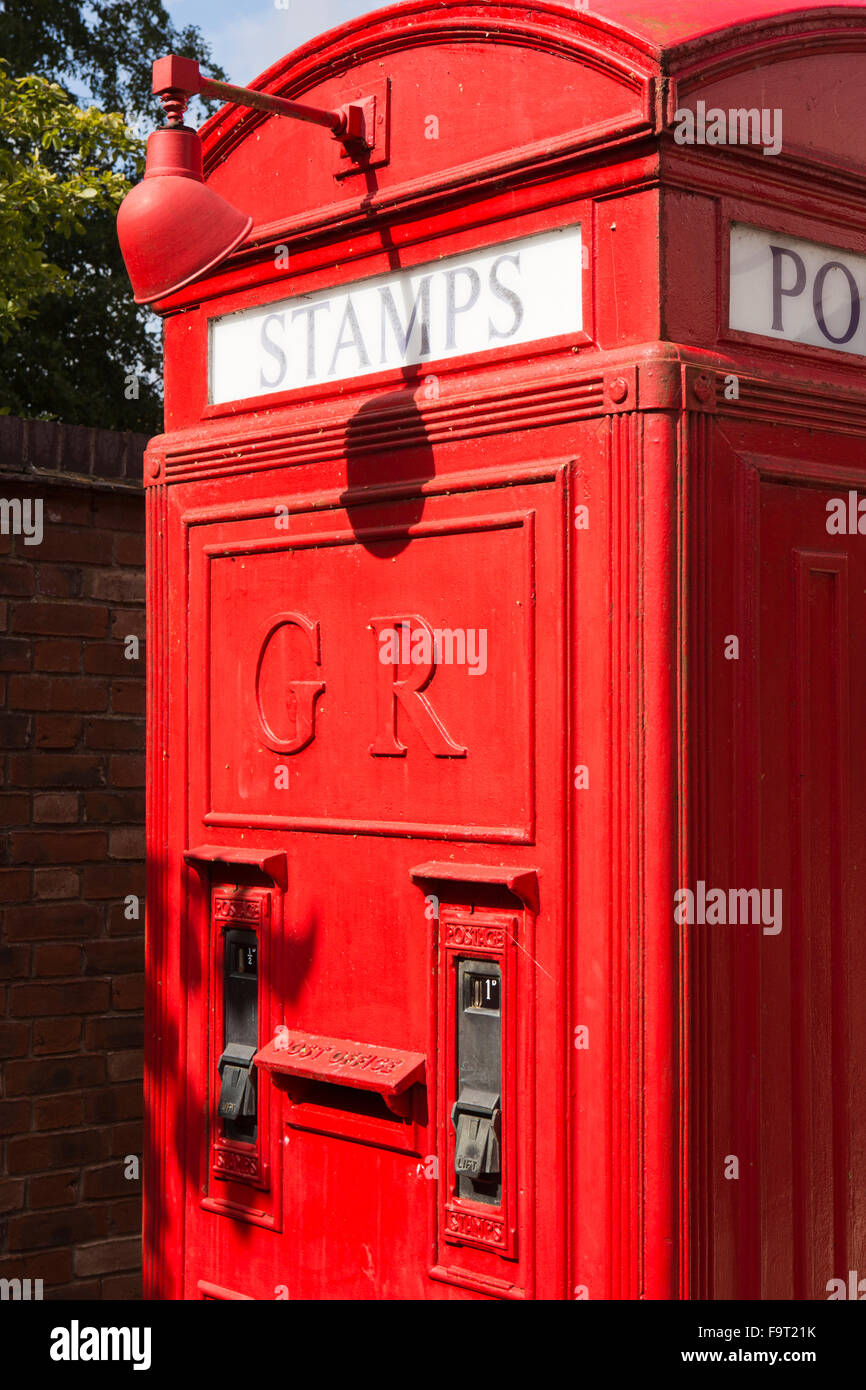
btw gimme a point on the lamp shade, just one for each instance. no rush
(171, 226)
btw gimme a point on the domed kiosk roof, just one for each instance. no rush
(666, 24)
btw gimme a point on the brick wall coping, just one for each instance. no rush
(72, 455)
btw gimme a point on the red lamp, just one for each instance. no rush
(171, 226)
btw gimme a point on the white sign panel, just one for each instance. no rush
(782, 287)
(517, 292)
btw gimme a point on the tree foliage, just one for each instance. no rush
(73, 344)
(57, 161)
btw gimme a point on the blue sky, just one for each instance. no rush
(246, 36)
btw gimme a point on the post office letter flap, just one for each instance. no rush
(476, 1117)
(237, 1097)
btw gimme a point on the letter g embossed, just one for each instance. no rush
(302, 695)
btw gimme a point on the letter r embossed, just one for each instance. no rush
(407, 690)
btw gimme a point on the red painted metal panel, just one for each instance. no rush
(608, 506)
(776, 1021)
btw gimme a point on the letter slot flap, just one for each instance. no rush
(476, 1118)
(237, 1097)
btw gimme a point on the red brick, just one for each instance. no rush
(57, 730)
(14, 728)
(124, 1218)
(126, 1139)
(114, 586)
(121, 1288)
(14, 1039)
(129, 550)
(4, 612)
(114, 806)
(17, 578)
(72, 508)
(107, 1181)
(75, 446)
(59, 619)
(126, 1066)
(72, 547)
(62, 770)
(83, 997)
(78, 447)
(11, 1196)
(108, 659)
(56, 1228)
(116, 513)
(58, 1112)
(56, 960)
(127, 992)
(56, 1266)
(14, 885)
(15, 809)
(121, 925)
(115, 734)
(13, 442)
(54, 1190)
(45, 692)
(113, 1033)
(55, 808)
(14, 962)
(126, 770)
(56, 1035)
(40, 923)
(58, 581)
(111, 957)
(113, 881)
(129, 622)
(51, 1266)
(127, 842)
(57, 654)
(14, 654)
(31, 1078)
(110, 450)
(56, 846)
(55, 884)
(15, 1116)
(46, 1153)
(128, 697)
(82, 1291)
(107, 1256)
(43, 446)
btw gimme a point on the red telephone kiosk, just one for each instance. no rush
(505, 781)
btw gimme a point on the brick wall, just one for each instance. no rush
(71, 855)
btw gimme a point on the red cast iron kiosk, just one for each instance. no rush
(505, 661)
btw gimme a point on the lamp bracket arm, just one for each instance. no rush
(176, 79)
